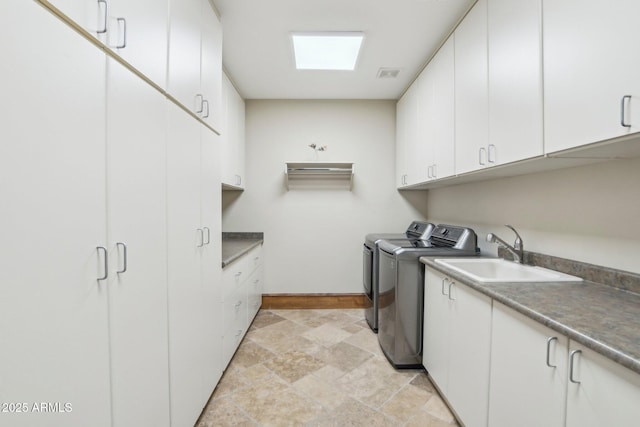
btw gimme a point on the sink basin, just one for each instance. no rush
(496, 270)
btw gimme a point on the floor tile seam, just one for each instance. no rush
(244, 412)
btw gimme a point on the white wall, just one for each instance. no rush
(313, 238)
(588, 213)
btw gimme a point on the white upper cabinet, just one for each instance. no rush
(232, 137)
(137, 31)
(591, 68)
(407, 118)
(436, 130)
(195, 54)
(515, 80)
(471, 90)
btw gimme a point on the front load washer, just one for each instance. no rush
(401, 289)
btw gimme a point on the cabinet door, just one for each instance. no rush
(183, 79)
(185, 241)
(421, 158)
(443, 120)
(589, 66)
(53, 309)
(137, 244)
(435, 349)
(469, 354)
(412, 158)
(515, 80)
(211, 261)
(525, 390)
(138, 32)
(233, 135)
(607, 394)
(211, 71)
(401, 140)
(471, 90)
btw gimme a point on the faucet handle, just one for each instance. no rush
(518, 244)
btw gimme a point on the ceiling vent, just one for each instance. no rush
(388, 73)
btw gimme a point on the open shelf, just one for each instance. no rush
(319, 175)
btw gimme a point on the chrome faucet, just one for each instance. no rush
(517, 250)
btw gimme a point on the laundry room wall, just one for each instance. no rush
(313, 238)
(588, 213)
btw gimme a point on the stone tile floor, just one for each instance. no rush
(319, 368)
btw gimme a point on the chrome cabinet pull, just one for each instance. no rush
(106, 15)
(450, 284)
(205, 103)
(571, 365)
(482, 149)
(124, 33)
(106, 262)
(622, 111)
(549, 341)
(442, 289)
(434, 170)
(200, 103)
(208, 236)
(201, 232)
(124, 256)
(490, 158)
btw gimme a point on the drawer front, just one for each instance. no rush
(235, 311)
(254, 258)
(254, 291)
(230, 342)
(233, 276)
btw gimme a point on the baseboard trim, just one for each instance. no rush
(301, 301)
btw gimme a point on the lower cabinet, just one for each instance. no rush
(600, 392)
(528, 372)
(241, 299)
(456, 350)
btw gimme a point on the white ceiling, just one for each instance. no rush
(404, 34)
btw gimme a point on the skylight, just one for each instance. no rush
(327, 50)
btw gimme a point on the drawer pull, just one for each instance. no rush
(445, 280)
(549, 341)
(571, 366)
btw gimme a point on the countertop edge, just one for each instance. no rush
(579, 337)
(250, 244)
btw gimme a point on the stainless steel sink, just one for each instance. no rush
(494, 270)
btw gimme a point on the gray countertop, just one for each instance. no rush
(236, 244)
(601, 317)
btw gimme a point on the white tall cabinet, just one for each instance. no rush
(137, 244)
(54, 330)
(592, 90)
(193, 264)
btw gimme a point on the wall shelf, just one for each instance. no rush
(319, 175)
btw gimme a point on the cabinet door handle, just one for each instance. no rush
(445, 280)
(434, 171)
(205, 103)
(201, 232)
(480, 151)
(549, 341)
(490, 158)
(451, 284)
(124, 257)
(199, 103)
(106, 15)
(106, 262)
(622, 111)
(124, 33)
(571, 366)
(208, 236)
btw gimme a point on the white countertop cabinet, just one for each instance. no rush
(600, 392)
(53, 309)
(528, 372)
(456, 345)
(590, 65)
